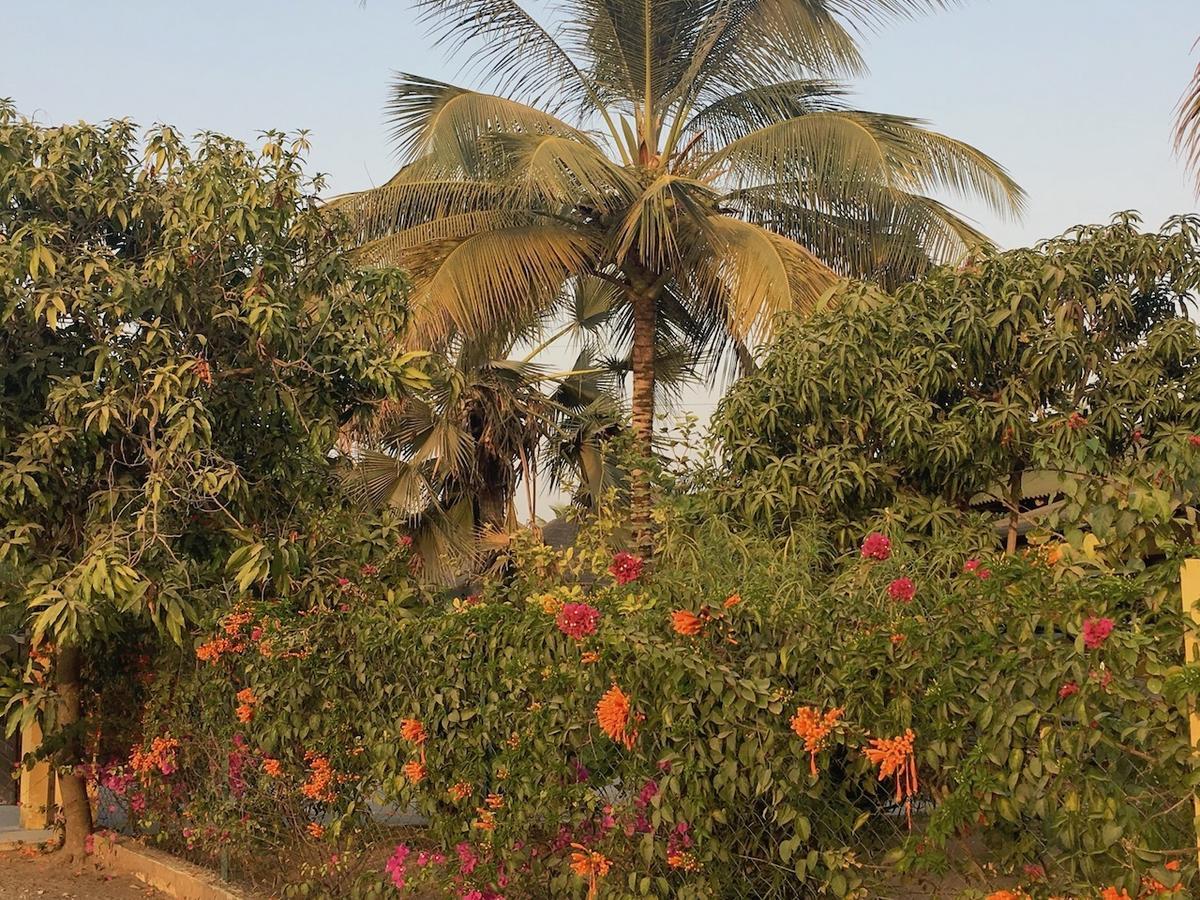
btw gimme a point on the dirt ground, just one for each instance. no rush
(26, 878)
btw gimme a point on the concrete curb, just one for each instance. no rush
(172, 876)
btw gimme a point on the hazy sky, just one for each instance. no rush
(1074, 96)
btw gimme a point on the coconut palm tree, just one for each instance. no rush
(1187, 133)
(693, 155)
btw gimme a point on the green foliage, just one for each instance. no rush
(1075, 358)
(181, 341)
(1093, 787)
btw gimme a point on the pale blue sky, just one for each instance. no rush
(1074, 96)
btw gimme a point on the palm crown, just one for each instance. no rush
(692, 154)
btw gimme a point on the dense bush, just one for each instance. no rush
(1077, 356)
(182, 337)
(1043, 744)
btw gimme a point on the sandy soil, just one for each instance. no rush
(24, 877)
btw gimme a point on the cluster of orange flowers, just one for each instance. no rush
(212, 651)
(460, 790)
(412, 731)
(612, 714)
(590, 866)
(247, 701)
(895, 758)
(589, 656)
(685, 861)
(687, 623)
(316, 830)
(319, 785)
(232, 641)
(415, 771)
(272, 767)
(690, 624)
(814, 728)
(233, 623)
(160, 756)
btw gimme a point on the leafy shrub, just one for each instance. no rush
(182, 337)
(1035, 745)
(1076, 356)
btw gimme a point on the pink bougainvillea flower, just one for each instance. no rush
(975, 567)
(577, 620)
(397, 865)
(1069, 689)
(1096, 632)
(876, 546)
(626, 567)
(1194, 440)
(902, 589)
(1075, 421)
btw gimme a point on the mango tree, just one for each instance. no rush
(182, 342)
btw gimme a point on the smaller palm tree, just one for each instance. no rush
(454, 458)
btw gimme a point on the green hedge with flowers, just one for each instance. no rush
(731, 722)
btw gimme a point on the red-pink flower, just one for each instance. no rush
(1096, 632)
(626, 567)
(1069, 689)
(876, 546)
(902, 589)
(975, 566)
(1075, 421)
(1194, 440)
(577, 620)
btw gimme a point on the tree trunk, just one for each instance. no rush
(493, 502)
(77, 812)
(1014, 513)
(643, 301)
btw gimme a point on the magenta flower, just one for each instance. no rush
(577, 620)
(1096, 632)
(626, 567)
(876, 546)
(902, 589)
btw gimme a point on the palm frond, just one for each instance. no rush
(755, 275)
(380, 480)
(455, 128)
(493, 280)
(866, 232)
(416, 195)
(1187, 131)
(733, 115)
(512, 50)
(651, 226)
(850, 147)
(560, 171)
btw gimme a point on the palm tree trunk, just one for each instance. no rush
(642, 299)
(77, 812)
(493, 502)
